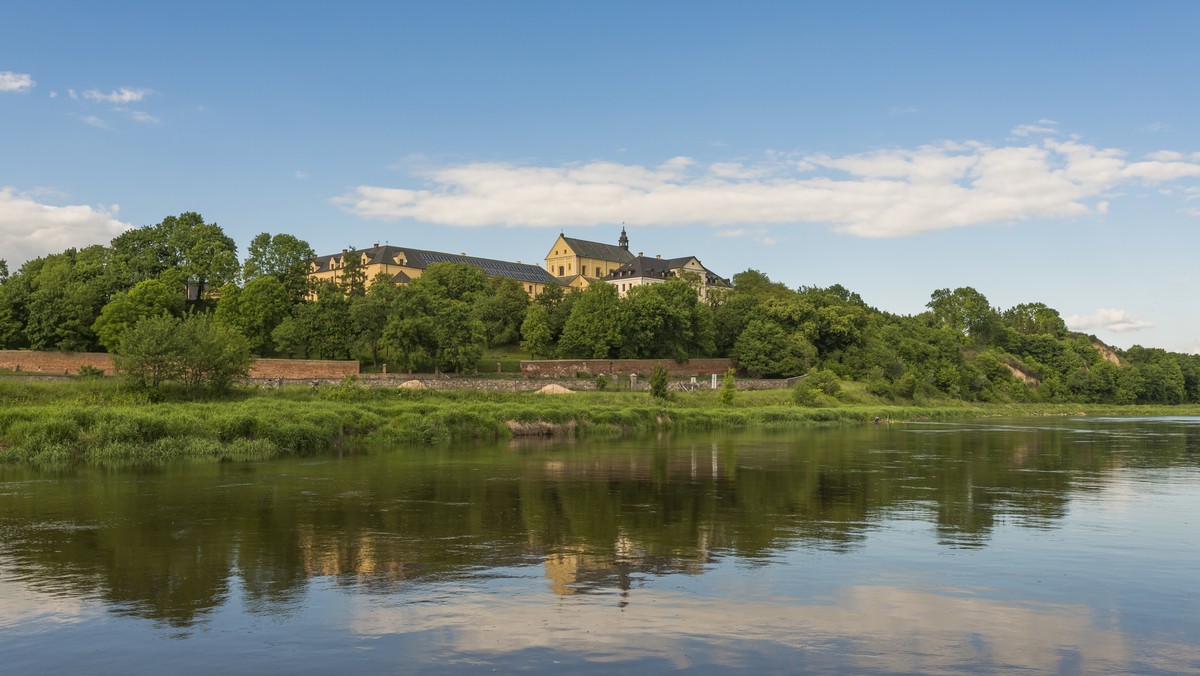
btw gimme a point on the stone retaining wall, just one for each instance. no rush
(534, 374)
(551, 368)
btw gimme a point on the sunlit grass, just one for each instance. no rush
(100, 421)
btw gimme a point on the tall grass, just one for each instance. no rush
(100, 422)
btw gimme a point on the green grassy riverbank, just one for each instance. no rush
(101, 422)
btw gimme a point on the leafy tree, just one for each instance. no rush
(66, 293)
(501, 309)
(197, 351)
(964, 311)
(255, 311)
(214, 354)
(731, 317)
(458, 334)
(369, 314)
(147, 298)
(1035, 318)
(590, 331)
(149, 354)
(283, 257)
(321, 329)
(644, 318)
(352, 277)
(3, 271)
(410, 327)
(535, 331)
(455, 281)
(765, 350)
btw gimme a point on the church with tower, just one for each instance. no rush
(570, 263)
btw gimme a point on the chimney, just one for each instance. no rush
(376, 245)
(658, 256)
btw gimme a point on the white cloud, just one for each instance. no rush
(1107, 319)
(122, 95)
(29, 229)
(1042, 127)
(760, 235)
(143, 117)
(15, 82)
(882, 193)
(301, 175)
(94, 121)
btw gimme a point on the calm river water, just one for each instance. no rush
(1050, 546)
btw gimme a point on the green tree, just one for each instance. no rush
(148, 298)
(964, 311)
(590, 332)
(149, 353)
(455, 281)
(214, 354)
(283, 257)
(765, 350)
(370, 312)
(458, 334)
(255, 311)
(410, 327)
(322, 329)
(196, 351)
(1035, 318)
(352, 277)
(536, 337)
(501, 309)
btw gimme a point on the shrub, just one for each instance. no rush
(658, 383)
(728, 388)
(89, 371)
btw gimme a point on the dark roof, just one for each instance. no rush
(600, 250)
(644, 266)
(421, 259)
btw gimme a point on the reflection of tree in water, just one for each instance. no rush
(164, 543)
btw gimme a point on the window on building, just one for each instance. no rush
(597, 270)
(561, 273)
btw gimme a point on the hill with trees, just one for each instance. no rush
(111, 298)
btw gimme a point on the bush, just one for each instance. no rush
(89, 371)
(196, 351)
(728, 388)
(658, 383)
(601, 381)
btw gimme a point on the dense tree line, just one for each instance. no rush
(110, 298)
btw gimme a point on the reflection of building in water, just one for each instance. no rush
(579, 569)
(701, 463)
(359, 557)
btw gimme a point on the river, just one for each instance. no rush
(1044, 546)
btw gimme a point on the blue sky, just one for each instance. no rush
(1034, 152)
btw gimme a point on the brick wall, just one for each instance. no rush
(302, 368)
(561, 368)
(28, 361)
(58, 363)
